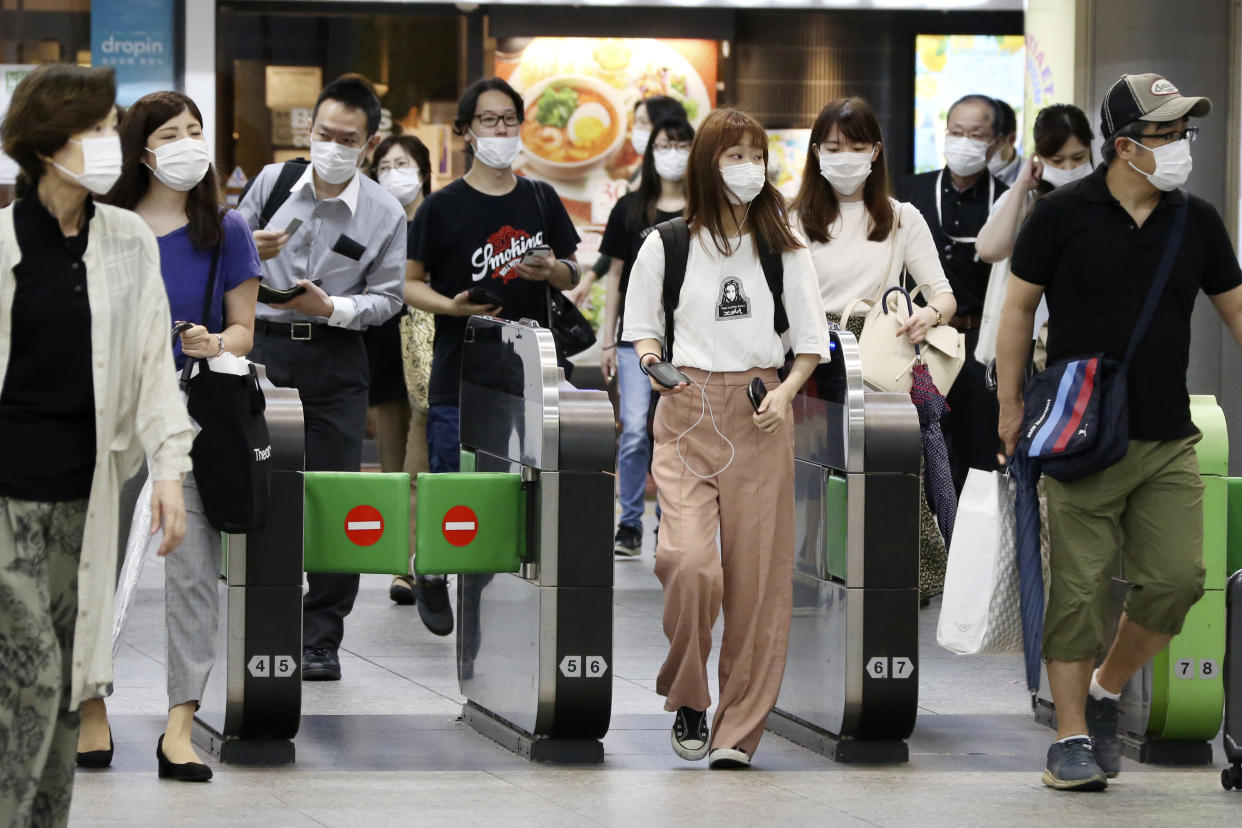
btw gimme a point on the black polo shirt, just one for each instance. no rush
(47, 405)
(1097, 266)
(963, 215)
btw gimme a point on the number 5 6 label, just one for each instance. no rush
(1204, 668)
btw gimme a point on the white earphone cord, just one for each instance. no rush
(705, 405)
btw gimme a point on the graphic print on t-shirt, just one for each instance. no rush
(501, 253)
(733, 303)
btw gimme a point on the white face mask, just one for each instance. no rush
(845, 171)
(743, 182)
(404, 183)
(670, 164)
(997, 163)
(101, 163)
(966, 156)
(1173, 165)
(335, 163)
(639, 138)
(180, 165)
(1059, 178)
(497, 151)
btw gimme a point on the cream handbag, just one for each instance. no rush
(888, 360)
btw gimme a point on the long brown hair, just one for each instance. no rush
(202, 203)
(816, 203)
(705, 190)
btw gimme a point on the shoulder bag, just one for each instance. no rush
(1076, 413)
(571, 330)
(232, 451)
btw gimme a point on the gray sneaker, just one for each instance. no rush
(1072, 767)
(1102, 718)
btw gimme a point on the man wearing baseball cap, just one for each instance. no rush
(1094, 247)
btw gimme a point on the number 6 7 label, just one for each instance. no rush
(1204, 668)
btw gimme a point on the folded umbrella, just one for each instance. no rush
(1025, 472)
(931, 405)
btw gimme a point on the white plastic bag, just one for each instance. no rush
(993, 302)
(981, 609)
(141, 544)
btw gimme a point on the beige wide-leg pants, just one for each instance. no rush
(750, 505)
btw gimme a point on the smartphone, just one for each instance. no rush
(274, 296)
(665, 374)
(293, 226)
(755, 392)
(483, 296)
(535, 253)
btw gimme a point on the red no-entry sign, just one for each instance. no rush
(364, 525)
(460, 525)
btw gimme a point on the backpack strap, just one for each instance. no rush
(289, 174)
(675, 234)
(774, 273)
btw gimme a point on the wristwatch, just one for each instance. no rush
(939, 316)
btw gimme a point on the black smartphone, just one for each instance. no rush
(483, 296)
(755, 392)
(665, 374)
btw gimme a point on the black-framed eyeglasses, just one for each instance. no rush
(1190, 134)
(489, 120)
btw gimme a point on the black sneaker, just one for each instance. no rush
(433, 604)
(1102, 716)
(629, 542)
(320, 664)
(402, 590)
(690, 733)
(1072, 767)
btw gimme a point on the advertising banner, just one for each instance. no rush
(580, 95)
(135, 37)
(1050, 45)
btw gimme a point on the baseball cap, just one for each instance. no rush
(1147, 97)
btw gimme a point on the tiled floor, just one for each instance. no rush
(384, 747)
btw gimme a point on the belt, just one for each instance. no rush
(297, 331)
(965, 321)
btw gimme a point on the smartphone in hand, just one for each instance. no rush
(665, 374)
(482, 296)
(755, 392)
(535, 254)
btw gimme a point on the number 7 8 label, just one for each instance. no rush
(1189, 668)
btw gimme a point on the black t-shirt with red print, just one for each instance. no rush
(464, 239)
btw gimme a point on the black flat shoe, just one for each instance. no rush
(96, 758)
(402, 591)
(185, 772)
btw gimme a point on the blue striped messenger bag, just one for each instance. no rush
(1076, 412)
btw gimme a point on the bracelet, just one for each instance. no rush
(608, 347)
(575, 275)
(220, 339)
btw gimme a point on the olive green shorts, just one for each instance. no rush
(1149, 509)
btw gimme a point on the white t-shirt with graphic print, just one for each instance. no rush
(723, 319)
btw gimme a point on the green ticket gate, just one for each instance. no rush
(1172, 708)
(357, 523)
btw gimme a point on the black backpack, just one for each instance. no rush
(289, 174)
(675, 234)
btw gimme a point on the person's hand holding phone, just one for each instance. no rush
(770, 414)
(198, 343)
(537, 264)
(314, 301)
(464, 305)
(665, 378)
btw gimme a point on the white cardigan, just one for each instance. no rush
(138, 407)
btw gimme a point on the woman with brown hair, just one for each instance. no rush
(168, 180)
(88, 388)
(721, 466)
(862, 241)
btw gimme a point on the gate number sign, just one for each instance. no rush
(882, 667)
(1204, 668)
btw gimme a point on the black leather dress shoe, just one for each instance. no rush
(320, 664)
(96, 758)
(184, 772)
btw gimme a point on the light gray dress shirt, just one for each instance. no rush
(354, 244)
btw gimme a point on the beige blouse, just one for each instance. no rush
(138, 408)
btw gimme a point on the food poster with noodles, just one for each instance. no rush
(580, 94)
(950, 66)
(787, 159)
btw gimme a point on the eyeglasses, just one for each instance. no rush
(662, 146)
(489, 120)
(399, 164)
(977, 136)
(1191, 134)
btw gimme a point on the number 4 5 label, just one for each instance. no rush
(1204, 668)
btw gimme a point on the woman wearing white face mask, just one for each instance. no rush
(88, 385)
(167, 179)
(1062, 156)
(399, 351)
(723, 469)
(862, 241)
(661, 196)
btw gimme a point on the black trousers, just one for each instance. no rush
(331, 374)
(970, 426)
